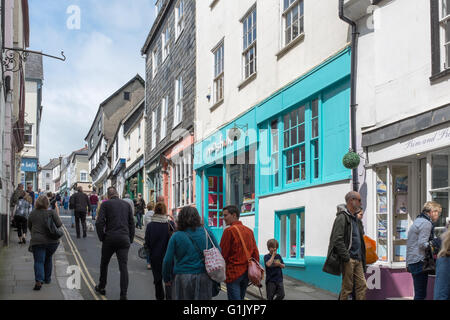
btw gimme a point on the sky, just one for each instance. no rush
(102, 41)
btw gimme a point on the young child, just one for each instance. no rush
(274, 275)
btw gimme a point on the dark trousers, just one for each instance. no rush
(161, 291)
(43, 261)
(420, 281)
(120, 246)
(21, 225)
(80, 216)
(138, 220)
(275, 290)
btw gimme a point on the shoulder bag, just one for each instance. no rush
(203, 257)
(53, 231)
(214, 261)
(255, 270)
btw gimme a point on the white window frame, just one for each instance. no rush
(178, 110)
(155, 62)
(179, 18)
(164, 112)
(219, 72)
(165, 40)
(285, 12)
(182, 180)
(30, 126)
(247, 47)
(129, 146)
(445, 20)
(81, 176)
(154, 115)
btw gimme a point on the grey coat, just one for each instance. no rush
(37, 223)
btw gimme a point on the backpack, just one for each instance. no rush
(22, 209)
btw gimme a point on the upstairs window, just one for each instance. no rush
(166, 43)
(154, 114)
(178, 112)
(445, 31)
(249, 43)
(179, 18)
(164, 112)
(218, 72)
(293, 19)
(28, 134)
(155, 62)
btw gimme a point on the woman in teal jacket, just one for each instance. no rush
(184, 258)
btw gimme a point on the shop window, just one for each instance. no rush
(440, 187)
(393, 214)
(290, 233)
(294, 146)
(241, 182)
(182, 183)
(215, 201)
(274, 134)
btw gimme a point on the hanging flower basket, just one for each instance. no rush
(351, 160)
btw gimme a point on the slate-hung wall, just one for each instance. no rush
(179, 62)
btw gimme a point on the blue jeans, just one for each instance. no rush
(139, 220)
(236, 290)
(43, 261)
(72, 213)
(94, 211)
(420, 280)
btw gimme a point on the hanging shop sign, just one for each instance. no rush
(29, 165)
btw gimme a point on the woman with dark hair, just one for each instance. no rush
(157, 235)
(41, 245)
(184, 258)
(21, 215)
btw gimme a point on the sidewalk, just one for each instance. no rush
(17, 274)
(294, 289)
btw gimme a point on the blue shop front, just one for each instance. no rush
(278, 162)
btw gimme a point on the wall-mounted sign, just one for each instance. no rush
(217, 146)
(29, 165)
(135, 168)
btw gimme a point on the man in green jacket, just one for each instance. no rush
(347, 251)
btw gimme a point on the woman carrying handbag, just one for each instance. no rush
(419, 248)
(185, 260)
(43, 244)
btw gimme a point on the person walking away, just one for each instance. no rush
(81, 206)
(140, 210)
(157, 236)
(128, 200)
(115, 229)
(66, 200)
(94, 203)
(41, 245)
(442, 281)
(420, 239)
(17, 194)
(346, 249)
(184, 258)
(21, 215)
(234, 254)
(274, 273)
(147, 219)
(31, 193)
(72, 211)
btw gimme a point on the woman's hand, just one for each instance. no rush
(168, 284)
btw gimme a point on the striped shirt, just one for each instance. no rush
(233, 251)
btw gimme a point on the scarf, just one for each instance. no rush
(160, 218)
(425, 216)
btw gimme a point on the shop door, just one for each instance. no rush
(214, 204)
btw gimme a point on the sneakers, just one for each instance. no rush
(37, 286)
(99, 290)
(149, 267)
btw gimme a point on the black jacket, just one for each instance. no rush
(115, 219)
(80, 202)
(340, 242)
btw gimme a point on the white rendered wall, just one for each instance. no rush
(325, 35)
(398, 54)
(320, 205)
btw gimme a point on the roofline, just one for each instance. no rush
(137, 77)
(156, 24)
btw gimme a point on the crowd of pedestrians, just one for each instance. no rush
(175, 250)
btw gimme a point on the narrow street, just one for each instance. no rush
(86, 253)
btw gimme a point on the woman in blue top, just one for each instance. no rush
(184, 258)
(442, 282)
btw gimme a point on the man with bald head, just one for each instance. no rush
(347, 251)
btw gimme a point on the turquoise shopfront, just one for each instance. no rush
(293, 140)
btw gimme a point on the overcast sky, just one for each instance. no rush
(102, 55)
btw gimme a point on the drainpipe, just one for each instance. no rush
(353, 72)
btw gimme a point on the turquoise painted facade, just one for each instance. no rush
(299, 136)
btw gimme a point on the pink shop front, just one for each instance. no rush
(402, 175)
